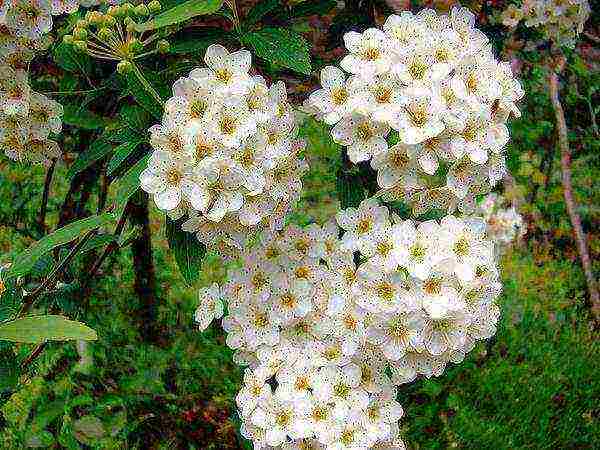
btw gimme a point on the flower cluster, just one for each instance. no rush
(560, 21)
(226, 152)
(330, 324)
(434, 81)
(27, 118)
(504, 225)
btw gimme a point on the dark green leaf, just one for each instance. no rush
(197, 41)
(188, 251)
(181, 13)
(25, 261)
(349, 189)
(142, 96)
(121, 153)
(128, 184)
(88, 430)
(95, 152)
(70, 60)
(280, 47)
(9, 370)
(80, 117)
(36, 329)
(260, 10)
(135, 117)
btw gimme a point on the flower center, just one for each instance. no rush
(417, 69)
(228, 125)
(341, 390)
(364, 226)
(383, 94)
(417, 115)
(364, 131)
(224, 75)
(174, 177)
(461, 247)
(197, 108)
(283, 418)
(339, 96)
(433, 286)
(385, 291)
(383, 248)
(288, 300)
(371, 53)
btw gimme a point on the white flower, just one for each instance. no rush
(369, 54)
(210, 308)
(363, 137)
(335, 99)
(360, 223)
(396, 167)
(254, 392)
(417, 247)
(396, 333)
(226, 71)
(420, 117)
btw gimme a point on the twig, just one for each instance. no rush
(30, 299)
(591, 37)
(110, 247)
(37, 351)
(565, 161)
(45, 195)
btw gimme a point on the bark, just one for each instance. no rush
(145, 285)
(565, 162)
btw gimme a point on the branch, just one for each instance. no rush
(45, 195)
(565, 161)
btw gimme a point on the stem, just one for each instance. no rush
(37, 351)
(138, 73)
(30, 299)
(145, 285)
(110, 247)
(565, 161)
(45, 195)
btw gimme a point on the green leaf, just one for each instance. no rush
(142, 97)
(135, 117)
(128, 185)
(88, 430)
(188, 251)
(309, 8)
(281, 47)
(80, 117)
(181, 13)
(260, 10)
(121, 153)
(98, 241)
(70, 60)
(25, 261)
(349, 188)
(197, 41)
(36, 329)
(95, 152)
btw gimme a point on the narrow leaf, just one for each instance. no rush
(24, 262)
(80, 117)
(281, 47)
(142, 97)
(188, 251)
(36, 329)
(181, 13)
(121, 153)
(95, 152)
(128, 184)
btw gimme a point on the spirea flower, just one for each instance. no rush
(330, 319)
(560, 21)
(504, 225)
(227, 152)
(433, 84)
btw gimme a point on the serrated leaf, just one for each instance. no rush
(181, 13)
(80, 117)
(260, 10)
(128, 184)
(121, 153)
(281, 47)
(36, 329)
(95, 152)
(188, 251)
(25, 261)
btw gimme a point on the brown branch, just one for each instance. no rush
(565, 161)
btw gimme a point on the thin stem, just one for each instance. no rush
(45, 196)
(110, 247)
(570, 202)
(30, 299)
(143, 55)
(37, 351)
(138, 73)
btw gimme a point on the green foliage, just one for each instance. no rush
(281, 47)
(36, 329)
(187, 250)
(24, 262)
(97, 150)
(181, 13)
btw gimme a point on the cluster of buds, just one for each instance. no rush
(434, 80)
(330, 319)
(559, 20)
(115, 36)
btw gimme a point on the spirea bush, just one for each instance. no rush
(328, 320)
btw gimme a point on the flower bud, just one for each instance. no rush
(82, 23)
(80, 34)
(80, 46)
(163, 46)
(109, 21)
(130, 26)
(105, 33)
(127, 9)
(141, 10)
(124, 67)
(68, 39)
(135, 46)
(154, 6)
